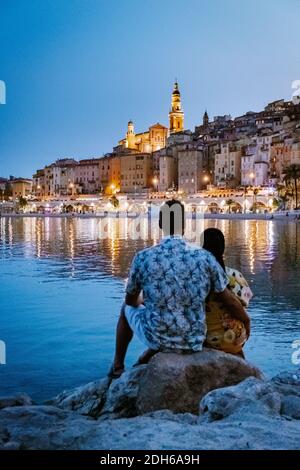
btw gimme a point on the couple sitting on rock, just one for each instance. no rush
(180, 297)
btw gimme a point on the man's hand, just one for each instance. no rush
(234, 306)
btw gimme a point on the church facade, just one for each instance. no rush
(155, 138)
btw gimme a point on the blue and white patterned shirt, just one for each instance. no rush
(175, 277)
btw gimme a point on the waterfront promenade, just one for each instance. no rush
(287, 216)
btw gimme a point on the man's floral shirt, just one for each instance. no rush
(175, 277)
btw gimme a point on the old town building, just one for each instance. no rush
(191, 169)
(136, 172)
(168, 170)
(87, 176)
(21, 187)
(145, 142)
(250, 150)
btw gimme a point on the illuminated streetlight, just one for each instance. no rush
(155, 182)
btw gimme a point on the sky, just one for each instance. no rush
(77, 70)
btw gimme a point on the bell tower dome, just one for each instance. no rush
(176, 115)
(130, 135)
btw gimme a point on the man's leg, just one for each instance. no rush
(124, 335)
(146, 356)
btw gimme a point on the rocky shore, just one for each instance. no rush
(206, 400)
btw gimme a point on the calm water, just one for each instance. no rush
(61, 287)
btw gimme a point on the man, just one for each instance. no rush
(174, 278)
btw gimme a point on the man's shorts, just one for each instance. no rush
(133, 316)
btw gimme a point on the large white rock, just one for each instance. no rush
(178, 381)
(252, 396)
(288, 385)
(20, 399)
(46, 427)
(170, 381)
(87, 399)
(122, 394)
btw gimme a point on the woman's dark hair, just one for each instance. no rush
(214, 241)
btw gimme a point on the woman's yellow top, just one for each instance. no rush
(223, 331)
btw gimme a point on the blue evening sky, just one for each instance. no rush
(77, 70)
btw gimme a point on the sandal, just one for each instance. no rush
(115, 373)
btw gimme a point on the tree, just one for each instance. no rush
(69, 208)
(115, 201)
(284, 193)
(275, 203)
(230, 203)
(22, 202)
(292, 175)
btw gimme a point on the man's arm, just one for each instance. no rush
(134, 287)
(234, 306)
(133, 299)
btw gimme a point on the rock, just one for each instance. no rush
(287, 383)
(42, 427)
(288, 378)
(12, 446)
(18, 400)
(238, 410)
(178, 381)
(86, 400)
(49, 428)
(291, 406)
(252, 396)
(122, 394)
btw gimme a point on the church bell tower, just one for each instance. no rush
(176, 115)
(130, 136)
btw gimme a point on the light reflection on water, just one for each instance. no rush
(62, 285)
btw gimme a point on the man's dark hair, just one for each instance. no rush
(172, 217)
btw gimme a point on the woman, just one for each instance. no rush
(223, 331)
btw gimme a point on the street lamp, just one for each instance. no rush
(155, 182)
(206, 180)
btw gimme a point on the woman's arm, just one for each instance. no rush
(234, 306)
